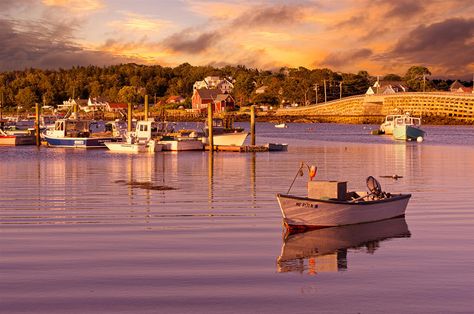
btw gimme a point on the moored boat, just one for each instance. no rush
(225, 135)
(281, 126)
(139, 141)
(78, 134)
(387, 126)
(180, 144)
(407, 128)
(11, 138)
(329, 204)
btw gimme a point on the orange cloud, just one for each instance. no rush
(137, 23)
(76, 5)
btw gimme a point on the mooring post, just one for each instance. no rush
(129, 117)
(37, 124)
(252, 125)
(75, 110)
(210, 127)
(146, 108)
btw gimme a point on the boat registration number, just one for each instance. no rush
(77, 143)
(306, 205)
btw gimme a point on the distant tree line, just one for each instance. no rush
(131, 82)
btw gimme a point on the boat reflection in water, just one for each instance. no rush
(325, 250)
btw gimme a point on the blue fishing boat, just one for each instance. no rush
(407, 128)
(78, 134)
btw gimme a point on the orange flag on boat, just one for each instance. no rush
(312, 172)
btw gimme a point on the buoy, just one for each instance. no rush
(419, 139)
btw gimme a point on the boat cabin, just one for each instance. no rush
(407, 120)
(76, 128)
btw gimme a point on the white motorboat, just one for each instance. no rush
(281, 126)
(225, 135)
(387, 126)
(139, 141)
(407, 128)
(329, 204)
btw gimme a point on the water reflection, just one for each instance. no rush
(325, 250)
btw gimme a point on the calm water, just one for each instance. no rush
(82, 232)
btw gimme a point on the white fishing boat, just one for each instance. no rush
(407, 128)
(139, 141)
(281, 126)
(387, 126)
(328, 204)
(225, 135)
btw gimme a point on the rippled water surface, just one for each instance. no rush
(99, 232)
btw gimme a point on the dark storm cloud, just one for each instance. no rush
(404, 9)
(269, 16)
(447, 44)
(44, 45)
(187, 41)
(347, 57)
(190, 41)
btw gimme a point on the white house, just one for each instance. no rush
(215, 82)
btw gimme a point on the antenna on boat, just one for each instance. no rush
(312, 173)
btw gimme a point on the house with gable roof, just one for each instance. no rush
(457, 87)
(204, 97)
(214, 82)
(387, 87)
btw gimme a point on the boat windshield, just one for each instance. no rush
(408, 121)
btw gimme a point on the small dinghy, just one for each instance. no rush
(329, 204)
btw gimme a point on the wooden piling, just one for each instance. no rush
(37, 125)
(75, 110)
(129, 117)
(210, 127)
(252, 125)
(146, 108)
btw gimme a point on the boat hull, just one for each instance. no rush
(123, 147)
(14, 140)
(228, 139)
(407, 133)
(181, 145)
(78, 142)
(302, 212)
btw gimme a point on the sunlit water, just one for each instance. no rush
(82, 232)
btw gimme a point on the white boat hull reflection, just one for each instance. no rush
(326, 249)
(303, 212)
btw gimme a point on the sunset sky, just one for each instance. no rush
(345, 35)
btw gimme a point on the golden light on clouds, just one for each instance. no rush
(217, 9)
(140, 24)
(345, 35)
(76, 5)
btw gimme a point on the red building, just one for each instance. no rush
(203, 97)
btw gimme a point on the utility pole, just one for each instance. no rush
(325, 94)
(424, 82)
(340, 90)
(1, 107)
(316, 89)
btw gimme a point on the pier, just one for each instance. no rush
(369, 108)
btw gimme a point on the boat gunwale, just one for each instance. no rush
(394, 197)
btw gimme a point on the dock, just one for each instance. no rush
(270, 147)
